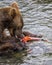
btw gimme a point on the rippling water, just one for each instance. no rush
(37, 16)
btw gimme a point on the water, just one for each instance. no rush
(37, 16)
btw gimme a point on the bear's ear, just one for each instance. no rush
(15, 5)
(12, 12)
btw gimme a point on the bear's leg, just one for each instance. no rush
(11, 31)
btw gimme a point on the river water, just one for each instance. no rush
(37, 16)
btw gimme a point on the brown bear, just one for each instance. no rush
(11, 18)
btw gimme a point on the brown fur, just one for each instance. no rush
(10, 17)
